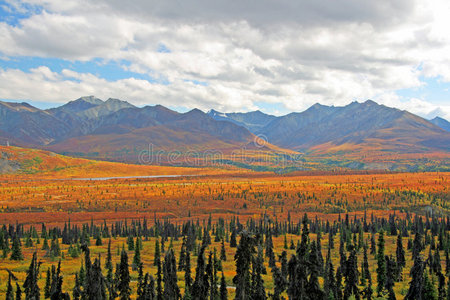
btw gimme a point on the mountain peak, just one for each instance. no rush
(89, 99)
(370, 102)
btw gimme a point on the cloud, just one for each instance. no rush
(289, 53)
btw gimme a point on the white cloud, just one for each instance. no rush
(291, 52)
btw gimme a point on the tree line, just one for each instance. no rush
(297, 276)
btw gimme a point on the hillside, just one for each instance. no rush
(45, 164)
(442, 123)
(359, 135)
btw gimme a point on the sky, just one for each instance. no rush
(277, 56)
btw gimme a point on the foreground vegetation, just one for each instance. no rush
(368, 257)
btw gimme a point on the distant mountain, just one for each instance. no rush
(442, 123)
(253, 121)
(28, 125)
(358, 135)
(89, 125)
(365, 123)
(91, 107)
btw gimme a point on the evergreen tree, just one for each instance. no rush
(130, 243)
(16, 253)
(137, 255)
(181, 261)
(223, 288)
(157, 254)
(123, 282)
(258, 291)
(30, 285)
(76, 292)
(243, 258)
(187, 272)
(223, 253)
(391, 267)
(400, 255)
(18, 292)
(418, 245)
(313, 288)
(9, 290)
(279, 283)
(159, 291)
(48, 283)
(109, 271)
(329, 278)
(381, 265)
(200, 287)
(373, 247)
(351, 275)
(442, 293)
(233, 242)
(416, 285)
(171, 290)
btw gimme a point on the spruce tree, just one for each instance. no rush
(159, 291)
(243, 258)
(171, 290)
(313, 288)
(233, 242)
(16, 251)
(351, 275)
(137, 255)
(187, 272)
(381, 265)
(223, 288)
(48, 283)
(223, 253)
(30, 285)
(258, 291)
(416, 285)
(391, 267)
(9, 290)
(200, 287)
(400, 255)
(18, 292)
(157, 254)
(123, 284)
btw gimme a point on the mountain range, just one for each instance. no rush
(114, 128)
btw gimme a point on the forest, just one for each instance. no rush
(352, 257)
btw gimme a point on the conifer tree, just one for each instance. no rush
(329, 278)
(390, 277)
(157, 254)
(233, 242)
(16, 251)
(18, 292)
(351, 275)
(30, 285)
(381, 265)
(200, 287)
(48, 283)
(223, 288)
(187, 272)
(416, 285)
(123, 282)
(9, 290)
(159, 291)
(137, 255)
(243, 258)
(223, 253)
(171, 290)
(400, 255)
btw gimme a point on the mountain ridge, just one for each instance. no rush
(90, 125)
